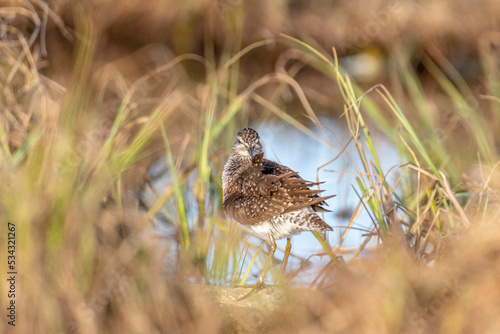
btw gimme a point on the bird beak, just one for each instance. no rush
(251, 152)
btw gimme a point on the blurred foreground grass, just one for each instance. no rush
(75, 160)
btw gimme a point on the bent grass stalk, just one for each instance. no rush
(181, 209)
(356, 123)
(250, 265)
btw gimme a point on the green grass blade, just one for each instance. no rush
(179, 197)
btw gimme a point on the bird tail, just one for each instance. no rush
(316, 223)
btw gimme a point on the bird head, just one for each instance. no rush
(247, 144)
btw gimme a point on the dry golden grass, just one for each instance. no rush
(91, 96)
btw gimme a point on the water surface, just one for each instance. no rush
(301, 152)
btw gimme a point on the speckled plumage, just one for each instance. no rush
(268, 197)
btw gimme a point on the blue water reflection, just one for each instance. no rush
(289, 146)
(303, 153)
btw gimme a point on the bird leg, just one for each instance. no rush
(287, 255)
(260, 283)
(268, 260)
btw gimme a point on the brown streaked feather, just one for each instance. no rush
(272, 167)
(267, 189)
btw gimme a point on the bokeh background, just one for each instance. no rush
(116, 119)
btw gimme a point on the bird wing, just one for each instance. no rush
(272, 167)
(259, 196)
